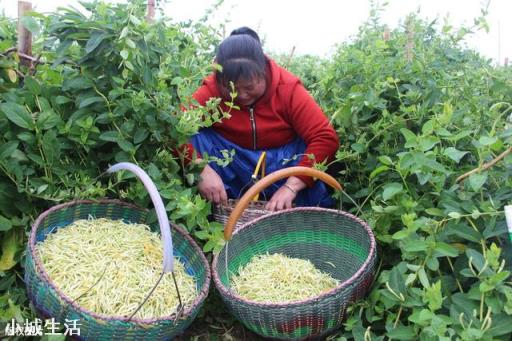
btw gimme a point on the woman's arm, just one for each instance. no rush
(313, 126)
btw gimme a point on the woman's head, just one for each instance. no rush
(246, 30)
(243, 63)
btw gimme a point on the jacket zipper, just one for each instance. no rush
(253, 125)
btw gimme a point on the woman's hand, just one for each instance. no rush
(211, 186)
(284, 196)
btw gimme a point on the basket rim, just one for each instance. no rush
(40, 270)
(371, 255)
(255, 206)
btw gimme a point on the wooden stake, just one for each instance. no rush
(289, 59)
(150, 16)
(24, 35)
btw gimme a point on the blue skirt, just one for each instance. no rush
(237, 175)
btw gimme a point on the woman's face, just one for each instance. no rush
(248, 91)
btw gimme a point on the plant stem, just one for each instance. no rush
(398, 316)
(453, 271)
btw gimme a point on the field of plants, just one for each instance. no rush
(425, 129)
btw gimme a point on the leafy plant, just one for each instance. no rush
(108, 87)
(415, 111)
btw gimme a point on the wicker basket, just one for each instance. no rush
(254, 210)
(50, 302)
(335, 242)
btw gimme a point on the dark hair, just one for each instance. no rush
(241, 58)
(246, 30)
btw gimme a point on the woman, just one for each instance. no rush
(276, 114)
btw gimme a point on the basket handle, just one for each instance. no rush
(269, 180)
(163, 220)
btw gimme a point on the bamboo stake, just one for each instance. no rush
(150, 16)
(24, 35)
(289, 59)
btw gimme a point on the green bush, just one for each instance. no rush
(108, 88)
(414, 111)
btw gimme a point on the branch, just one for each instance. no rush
(485, 165)
(33, 66)
(9, 51)
(33, 59)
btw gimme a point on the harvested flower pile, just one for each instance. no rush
(109, 267)
(278, 278)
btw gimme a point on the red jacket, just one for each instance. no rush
(285, 111)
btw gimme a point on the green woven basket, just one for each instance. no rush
(336, 242)
(50, 302)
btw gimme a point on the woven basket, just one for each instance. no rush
(254, 210)
(50, 302)
(336, 242)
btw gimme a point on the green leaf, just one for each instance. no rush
(377, 171)
(392, 189)
(7, 149)
(48, 119)
(433, 211)
(501, 325)
(95, 41)
(18, 115)
(477, 259)
(111, 136)
(358, 147)
(422, 317)
(125, 145)
(432, 264)
(476, 181)
(445, 250)
(124, 54)
(422, 275)
(409, 135)
(5, 224)
(32, 85)
(124, 32)
(491, 282)
(397, 281)
(414, 245)
(385, 160)
(51, 147)
(401, 234)
(30, 24)
(62, 100)
(433, 296)
(420, 159)
(90, 100)
(140, 135)
(402, 333)
(487, 140)
(454, 154)
(77, 83)
(461, 303)
(130, 43)
(9, 248)
(427, 143)
(428, 128)
(27, 137)
(464, 231)
(135, 20)
(455, 215)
